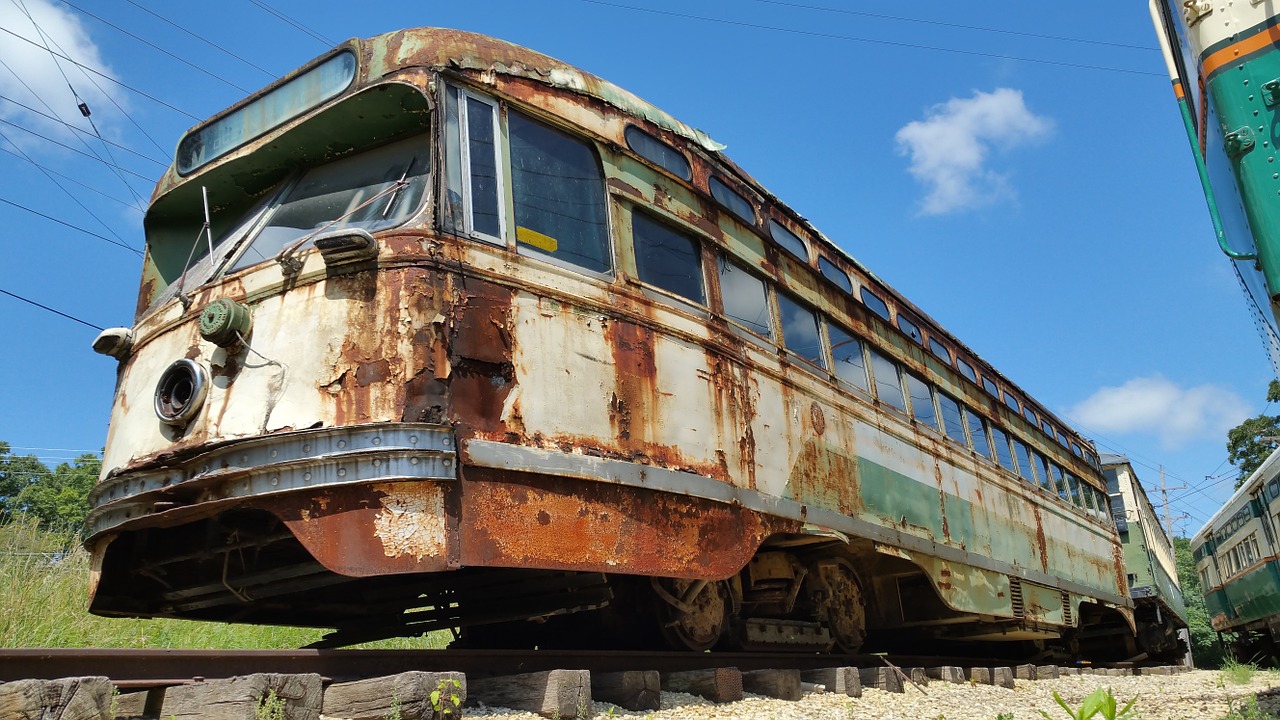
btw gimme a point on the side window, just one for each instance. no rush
(474, 184)
(657, 152)
(952, 419)
(966, 370)
(730, 198)
(1030, 415)
(1060, 482)
(800, 330)
(989, 385)
(1011, 401)
(921, 401)
(834, 274)
(849, 363)
(559, 195)
(978, 433)
(910, 329)
(1023, 455)
(667, 258)
(1042, 469)
(746, 301)
(1046, 427)
(874, 303)
(888, 383)
(1073, 483)
(1001, 441)
(939, 351)
(789, 241)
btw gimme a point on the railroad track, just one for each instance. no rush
(424, 683)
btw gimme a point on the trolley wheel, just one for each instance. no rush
(691, 613)
(841, 603)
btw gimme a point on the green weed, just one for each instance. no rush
(1238, 673)
(270, 707)
(1247, 710)
(1100, 701)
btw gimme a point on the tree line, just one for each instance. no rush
(57, 497)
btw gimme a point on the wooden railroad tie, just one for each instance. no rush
(551, 694)
(719, 685)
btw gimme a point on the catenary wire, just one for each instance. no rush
(16, 126)
(80, 103)
(875, 41)
(68, 178)
(60, 121)
(46, 307)
(107, 77)
(155, 47)
(202, 39)
(296, 25)
(63, 188)
(67, 224)
(959, 26)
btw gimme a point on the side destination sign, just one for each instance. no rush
(301, 93)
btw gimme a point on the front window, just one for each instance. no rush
(559, 195)
(556, 184)
(372, 190)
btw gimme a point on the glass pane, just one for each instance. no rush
(481, 124)
(730, 198)
(952, 420)
(657, 152)
(1024, 461)
(1011, 402)
(1073, 483)
(888, 384)
(966, 369)
(559, 195)
(745, 299)
(789, 241)
(1047, 427)
(921, 401)
(1086, 496)
(1060, 481)
(1001, 442)
(1042, 469)
(1030, 415)
(667, 258)
(835, 274)
(800, 330)
(846, 353)
(451, 210)
(875, 304)
(940, 351)
(358, 191)
(990, 387)
(1075, 449)
(910, 329)
(978, 433)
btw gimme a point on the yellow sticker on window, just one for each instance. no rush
(545, 243)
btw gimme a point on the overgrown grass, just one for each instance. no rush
(44, 589)
(1238, 673)
(1247, 710)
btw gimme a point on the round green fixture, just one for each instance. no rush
(225, 322)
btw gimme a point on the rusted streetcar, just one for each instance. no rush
(439, 332)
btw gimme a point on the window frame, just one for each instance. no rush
(832, 272)
(818, 363)
(663, 292)
(500, 170)
(671, 151)
(714, 183)
(887, 315)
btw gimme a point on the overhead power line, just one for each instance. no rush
(155, 47)
(46, 307)
(296, 25)
(66, 124)
(47, 171)
(107, 77)
(959, 26)
(202, 39)
(874, 41)
(67, 224)
(48, 139)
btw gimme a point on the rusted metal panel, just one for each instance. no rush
(553, 523)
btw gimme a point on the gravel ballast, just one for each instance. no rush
(1196, 695)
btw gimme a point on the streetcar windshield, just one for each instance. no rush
(373, 190)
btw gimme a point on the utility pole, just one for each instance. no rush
(1164, 499)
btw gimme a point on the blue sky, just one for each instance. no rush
(1018, 170)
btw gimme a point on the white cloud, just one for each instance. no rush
(1157, 406)
(950, 148)
(31, 76)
